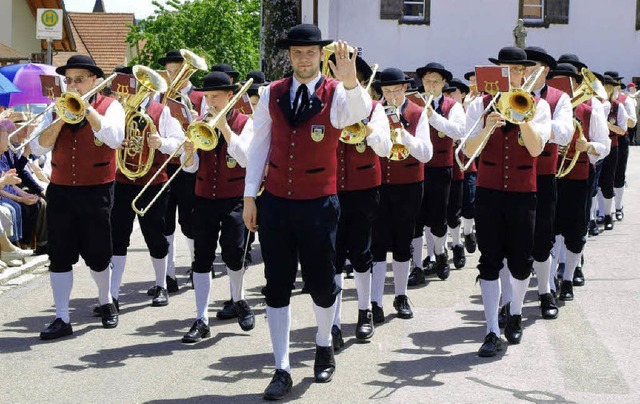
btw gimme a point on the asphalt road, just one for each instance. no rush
(588, 355)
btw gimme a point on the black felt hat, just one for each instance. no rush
(392, 76)
(217, 81)
(565, 69)
(81, 62)
(609, 80)
(448, 88)
(512, 56)
(572, 60)
(259, 80)
(225, 68)
(171, 56)
(124, 70)
(459, 84)
(599, 76)
(615, 75)
(434, 67)
(538, 54)
(303, 35)
(468, 75)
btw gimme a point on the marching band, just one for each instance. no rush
(336, 162)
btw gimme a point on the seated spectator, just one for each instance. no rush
(10, 255)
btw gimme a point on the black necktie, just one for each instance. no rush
(301, 100)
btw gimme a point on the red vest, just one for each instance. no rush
(548, 160)
(303, 161)
(358, 165)
(442, 144)
(505, 165)
(154, 110)
(196, 99)
(76, 160)
(581, 170)
(613, 118)
(457, 173)
(219, 175)
(409, 170)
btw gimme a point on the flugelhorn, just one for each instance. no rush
(327, 51)
(70, 108)
(202, 135)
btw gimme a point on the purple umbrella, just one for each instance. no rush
(27, 78)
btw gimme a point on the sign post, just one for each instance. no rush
(49, 27)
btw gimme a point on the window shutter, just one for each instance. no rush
(557, 11)
(390, 9)
(427, 11)
(637, 15)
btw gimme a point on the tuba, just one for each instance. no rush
(135, 159)
(191, 64)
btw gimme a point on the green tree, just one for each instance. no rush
(278, 17)
(221, 31)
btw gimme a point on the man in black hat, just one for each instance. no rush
(506, 198)
(165, 140)
(297, 126)
(181, 190)
(446, 122)
(400, 194)
(218, 205)
(80, 194)
(227, 69)
(259, 81)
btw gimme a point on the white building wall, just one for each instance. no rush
(23, 29)
(464, 33)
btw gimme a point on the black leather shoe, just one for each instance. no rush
(198, 331)
(578, 277)
(459, 260)
(548, 306)
(160, 297)
(401, 304)
(109, 315)
(324, 365)
(442, 266)
(502, 316)
(566, 291)
(348, 271)
(98, 312)
(172, 285)
(377, 313)
(513, 329)
(364, 328)
(600, 219)
(470, 243)
(428, 265)
(56, 329)
(246, 319)
(279, 386)
(228, 311)
(608, 222)
(336, 338)
(416, 277)
(594, 229)
(492, 344)
(619, 215)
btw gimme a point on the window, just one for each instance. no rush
(406, 11)
(542, 13)
(413, 9)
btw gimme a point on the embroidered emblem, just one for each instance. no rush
(231, 162)
(520, 139)
(361, 147)
(317, 132)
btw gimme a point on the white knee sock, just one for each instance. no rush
(171, 261)
(279, 325)
(103, 281)
(417, 244)
(429, 241)
(490, 298)
(160, 269)
(563, 251)
(456, 238)
(190, 244)
(400, 276)
(467, 226)
(543, 273)
(118, 263)
(236, 284)
(439, 243)
(363, 287)
(519, 288)
(573, 260)
(378, 275)
(594, 208)
(337, 306)
(608, 203)
(505, 284)
(618, 195)
(61, 285)
(324, 319)
(601, 209)
(202, 287)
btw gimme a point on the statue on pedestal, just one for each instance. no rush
(520, 34)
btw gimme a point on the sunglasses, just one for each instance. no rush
(76, 80)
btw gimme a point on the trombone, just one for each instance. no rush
(516, 106)
(69, 107)
(204, 137)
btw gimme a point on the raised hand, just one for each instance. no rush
(345, 67)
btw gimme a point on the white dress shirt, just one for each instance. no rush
(622, 117)
(630, 107)
(380, 138)
(203, 105)
(347, 108)
(453, 126)
(541, 121)
(169, 129)
(419, 146)
(598, 131)
(561, 120)
(111, 130)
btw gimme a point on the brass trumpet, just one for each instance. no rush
(357, 132)
(204, 137)
(399, 151)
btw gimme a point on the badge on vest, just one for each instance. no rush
(231, 162)
(441, 135)
(97, 142)
(612, 121)
(361, 147)
(520, 139)
(317, 132)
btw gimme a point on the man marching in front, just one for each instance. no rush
(296, 129)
